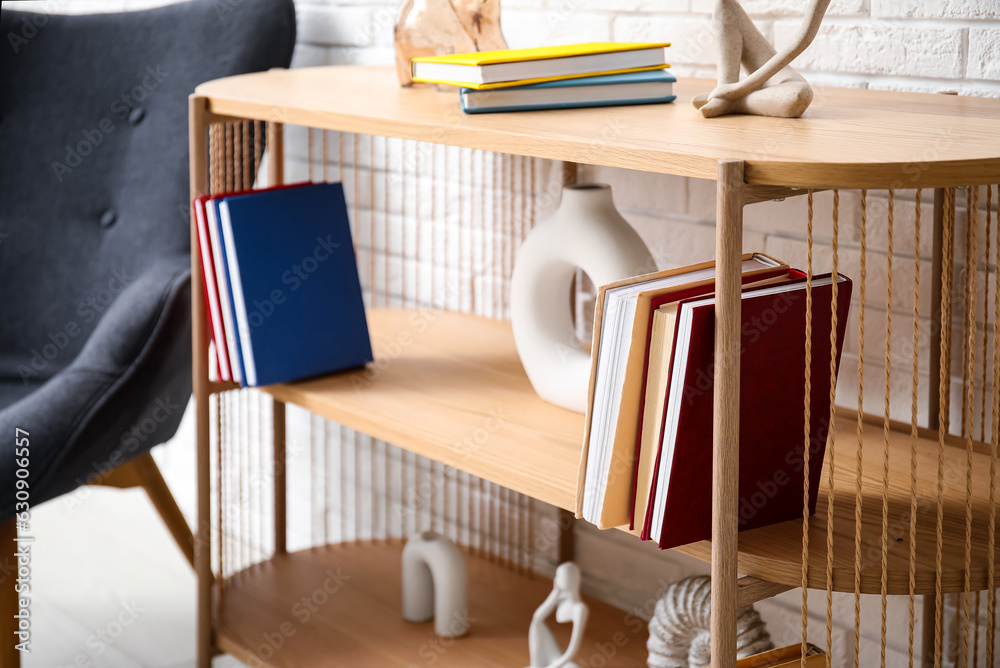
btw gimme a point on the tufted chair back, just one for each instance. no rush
(94, 164)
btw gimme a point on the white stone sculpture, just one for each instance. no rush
(586, 232)
(434, 584)
(771, 87)
(568, 607)
(680, 630)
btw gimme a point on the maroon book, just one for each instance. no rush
(772, 418)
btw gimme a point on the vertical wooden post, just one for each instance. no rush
(726, 427)
(198, 157)
(280, 490)
(276, 177)
(567, 539)
(275, 153)
(10, 657)
(570, 173)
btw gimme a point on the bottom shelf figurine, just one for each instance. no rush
(565, 601)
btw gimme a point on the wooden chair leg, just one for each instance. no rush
(10, 657)
(143, 472)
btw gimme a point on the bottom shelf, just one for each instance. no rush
(281, 613)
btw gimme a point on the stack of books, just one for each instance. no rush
(555, 77)
(647, 456)
(281, 283)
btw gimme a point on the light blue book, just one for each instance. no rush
(650, 87)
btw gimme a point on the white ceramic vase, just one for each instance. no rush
(586, 232)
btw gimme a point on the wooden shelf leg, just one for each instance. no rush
(280, 489)
(567, 537)
(275, 153)
(198, 156)
(726, 427)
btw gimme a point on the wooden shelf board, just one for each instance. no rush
(449, 386)
(848, 138)
(361, 624)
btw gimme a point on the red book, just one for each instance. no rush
(655, 303)
(772, 420)
(216, 287)
(211, 290)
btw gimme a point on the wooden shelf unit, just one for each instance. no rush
(460, 367)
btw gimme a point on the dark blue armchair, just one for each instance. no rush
(95, 331)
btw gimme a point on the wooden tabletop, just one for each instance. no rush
(848, 138)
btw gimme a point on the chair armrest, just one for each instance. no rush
(124, 393)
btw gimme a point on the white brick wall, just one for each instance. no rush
(924, 45)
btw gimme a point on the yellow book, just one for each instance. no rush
(661, 344)
(519, 67)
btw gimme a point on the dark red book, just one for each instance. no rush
(772, 420)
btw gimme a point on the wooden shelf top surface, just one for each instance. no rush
(850, 138)
(449, 386)
(352, 616)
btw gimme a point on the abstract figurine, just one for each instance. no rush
(434, 584)
(771, 87)
(568, 607)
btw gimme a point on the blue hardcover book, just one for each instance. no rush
(296, 294)
(607, 90)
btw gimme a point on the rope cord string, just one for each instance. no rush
(994, 442)
(972, 251)
(859, 470)
(885, 427)
(326, 154)
(807, 444)
(832, 434)
(913, 431)
(309, 153)
(986, 319)
(371, 226)
(247, 176)
(258, 154)
(228, 157)
(943, 390)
